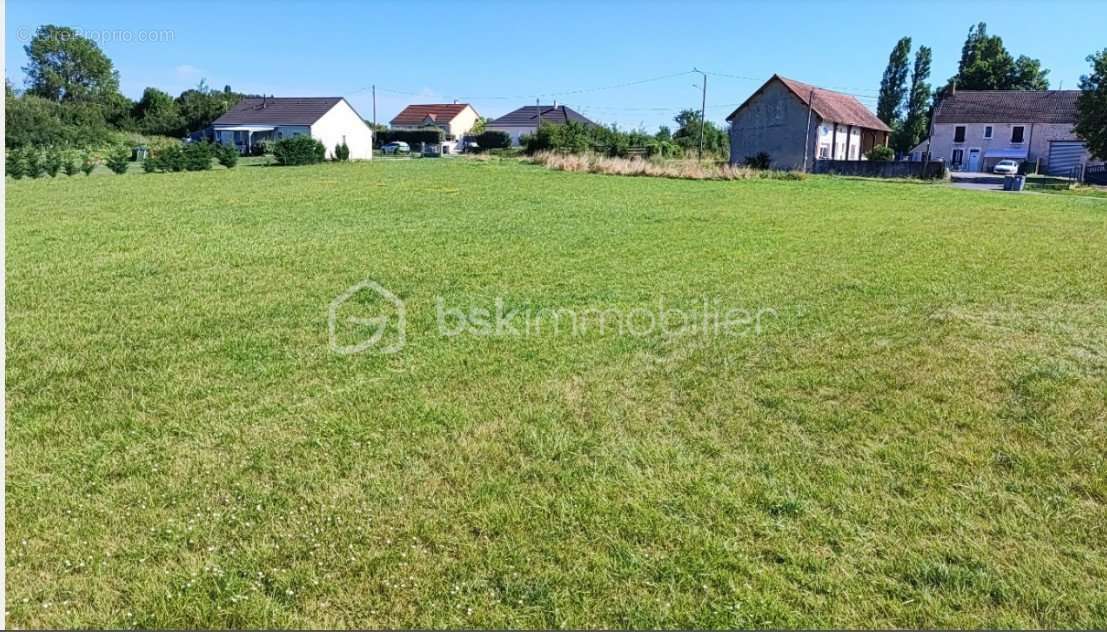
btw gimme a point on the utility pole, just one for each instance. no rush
(538, 109)
(807, 136)
(374, 107)
(703, 109)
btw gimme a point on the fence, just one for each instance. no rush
(1096, 174)
(883, 168)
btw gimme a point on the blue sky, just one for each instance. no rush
(500, 55)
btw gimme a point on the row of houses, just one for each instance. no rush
(795, 123)
(457, 120)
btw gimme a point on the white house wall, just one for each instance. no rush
(514, 132)
(343, 124)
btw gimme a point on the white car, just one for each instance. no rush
(396, 147)
(1006, 167)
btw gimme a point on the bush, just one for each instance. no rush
(53, 162)
(169, 159)
(69, 163)
(881, 152)
(151, 164)
(33, 161)
(14, 164)
(118, 159)
(342, 152)
(262, 148)
(760, 161)
(227, 155)
(88, 163)
(299, 150)
(197, 156)
(490, 139)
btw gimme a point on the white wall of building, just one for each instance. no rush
(343, 124)
(514, 132)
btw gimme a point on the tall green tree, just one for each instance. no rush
(893, 87)
(64, 66)
(200, 106)
(987, 65)
(157, 113)
(917, 120)
(1028, 75)
(1091, 106)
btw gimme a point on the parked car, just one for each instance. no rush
(396, 147)
(1006, 167)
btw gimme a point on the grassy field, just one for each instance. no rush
(916, 436)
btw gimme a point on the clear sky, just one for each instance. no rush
(501, 55)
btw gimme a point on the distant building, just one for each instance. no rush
(792, 122)
(455, 119)
(525, 120)
(975, 129)
(330, 120)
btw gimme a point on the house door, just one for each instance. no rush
(974, 160)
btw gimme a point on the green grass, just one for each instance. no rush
(917, 438)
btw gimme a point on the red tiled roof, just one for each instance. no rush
(832, 106)
(1008, 106)
(416, 114)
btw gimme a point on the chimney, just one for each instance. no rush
(555, 104)
(953, 88)
(455, 101)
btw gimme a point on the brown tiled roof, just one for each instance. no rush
(527, 116)
(1008, 106)
(832, 106)
(278, 111)
(416, 114)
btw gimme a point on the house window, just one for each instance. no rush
(987, 131)
(959, 134)
(1016, 134)
(958, 156)
(824, 152)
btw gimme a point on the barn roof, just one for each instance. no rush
(278, 111)
(836, 107)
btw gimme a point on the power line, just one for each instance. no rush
(853, 92)
(615, 86)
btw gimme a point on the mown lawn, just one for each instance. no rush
(916, 436)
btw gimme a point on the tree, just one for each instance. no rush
(1091, 106)
(986, 65)
(64, 66)
(687, 134)
(200, 106)
(157, 113)
(479, 126)
(917, 119)
(893, 87)
(1028, 75)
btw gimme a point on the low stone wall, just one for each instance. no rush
(882, 168)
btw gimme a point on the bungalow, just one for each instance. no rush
(330, 120)
(455, 119)
(526, 119)
(975, 129)
(796, 124)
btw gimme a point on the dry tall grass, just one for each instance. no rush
(680, 169)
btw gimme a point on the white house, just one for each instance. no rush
(975, 129)
(455, 119)
(526, 119)
(330, 120)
